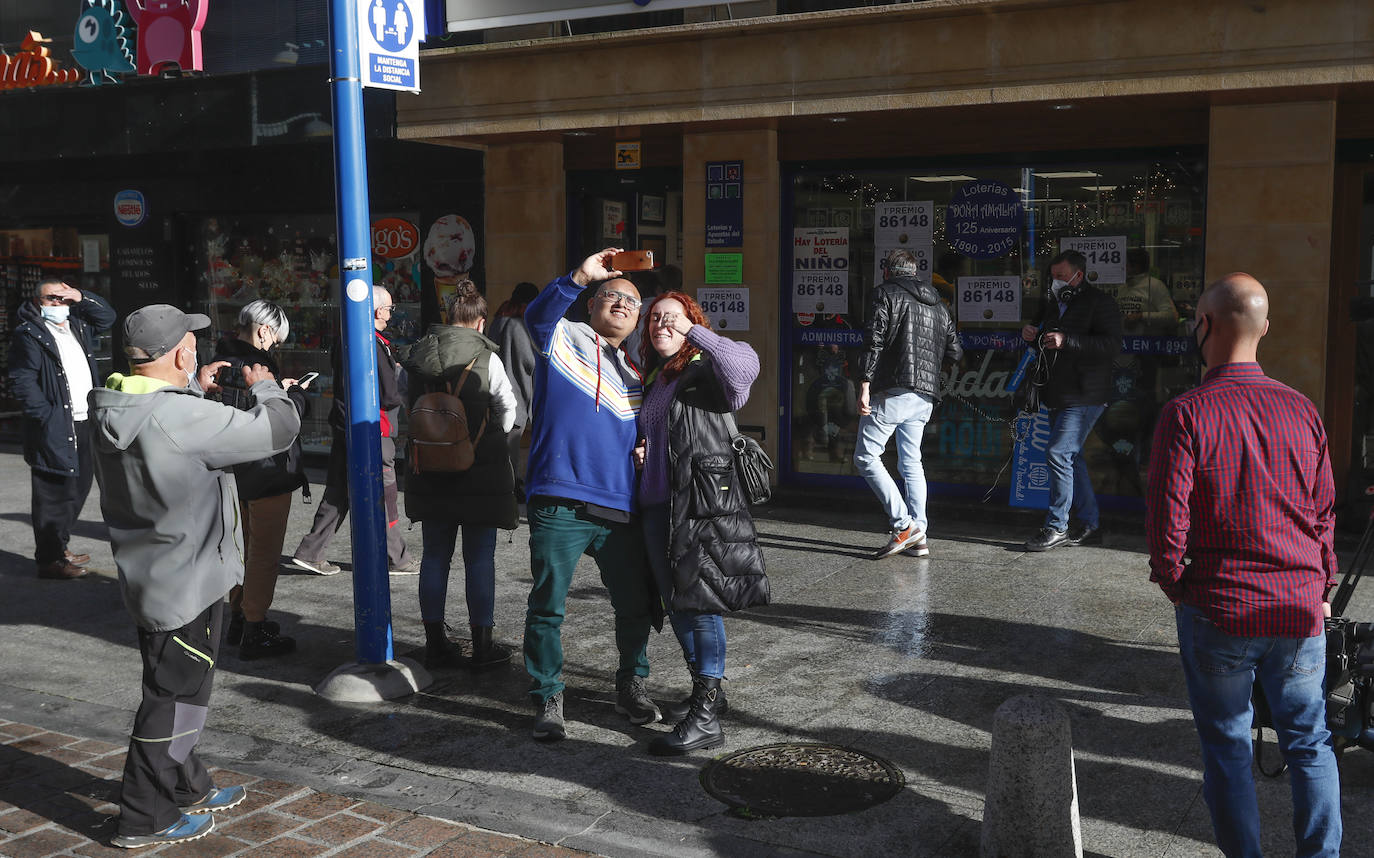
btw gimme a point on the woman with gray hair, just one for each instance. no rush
(265, 486)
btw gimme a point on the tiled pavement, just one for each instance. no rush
(57, 794)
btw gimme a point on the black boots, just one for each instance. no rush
(234, 634)
(701, 726)
(260, 640)
(486, 653)
(678, 711)
(440, 652)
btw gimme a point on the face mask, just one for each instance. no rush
(1198, 344)
(1057, 286)
(57, 315)
(191, 373)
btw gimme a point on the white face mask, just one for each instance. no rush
(191, 373)
(1057, 286)
(57, 315)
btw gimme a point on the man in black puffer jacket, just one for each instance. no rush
(910, 335)
(1078, 338)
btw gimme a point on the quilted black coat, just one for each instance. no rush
(712, 545)
(909, 336)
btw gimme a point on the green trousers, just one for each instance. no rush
(560, 533)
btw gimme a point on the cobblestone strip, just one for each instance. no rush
(58, 796)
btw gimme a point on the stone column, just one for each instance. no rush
(1270, 179)
(525, 216)
(1031, 809)
(758, 149)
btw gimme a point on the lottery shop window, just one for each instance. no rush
(983, 235)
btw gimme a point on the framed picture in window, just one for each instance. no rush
(651, 208)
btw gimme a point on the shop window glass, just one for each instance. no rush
(988, 255)
(292, 261)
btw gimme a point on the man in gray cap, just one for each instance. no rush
(163, 455)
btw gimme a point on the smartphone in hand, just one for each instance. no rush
(633, 260)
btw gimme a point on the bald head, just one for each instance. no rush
(1232, 316)
(1237, 304)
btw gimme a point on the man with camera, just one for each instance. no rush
(1078, 338)
(581, 483)
(52, 370)
(1240, 484)
(910, 335)
(163, 456)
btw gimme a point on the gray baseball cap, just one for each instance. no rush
(152, 331)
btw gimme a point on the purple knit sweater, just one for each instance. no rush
(736, 366)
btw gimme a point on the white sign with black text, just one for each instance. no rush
(989, 299)
(820, 270)
(726, 307)
(1106, 255)
(904, 226)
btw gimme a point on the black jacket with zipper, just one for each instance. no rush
(1080, 372)
(909, 337)
(39, 382)
(712, 546)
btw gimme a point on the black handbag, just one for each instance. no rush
(752, 464)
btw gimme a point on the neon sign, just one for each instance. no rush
(102, 41)
(169, 33)
(33, 65)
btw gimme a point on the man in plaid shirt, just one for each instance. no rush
(1240, 485)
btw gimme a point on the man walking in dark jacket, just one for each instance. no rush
(1078, 338)
(329, 516)
(910, 334)
(51, 370)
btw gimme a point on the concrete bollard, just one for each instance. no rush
(1032, 796)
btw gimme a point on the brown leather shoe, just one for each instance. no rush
(77, 559)
(62, 570)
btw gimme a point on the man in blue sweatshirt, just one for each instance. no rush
(581, 483)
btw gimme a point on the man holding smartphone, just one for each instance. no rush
(581, 483)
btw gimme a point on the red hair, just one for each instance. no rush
(678, 362)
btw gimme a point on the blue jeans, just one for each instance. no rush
(1071, 489)
(906, 414)
(479, 566)
(1220, 670)
(701, 636)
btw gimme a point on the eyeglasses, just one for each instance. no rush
(621, 298)
(387, 309)
(51, 299)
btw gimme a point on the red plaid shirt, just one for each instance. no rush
(1240, 483)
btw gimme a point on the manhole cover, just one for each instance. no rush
(801, 779)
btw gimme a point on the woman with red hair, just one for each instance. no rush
(703, 549)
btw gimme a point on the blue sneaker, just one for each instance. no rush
(219, 798)
(184, 829)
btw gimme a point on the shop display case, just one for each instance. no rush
(292, 261)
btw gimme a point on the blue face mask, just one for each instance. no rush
(57, 315)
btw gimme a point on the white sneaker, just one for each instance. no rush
(410, 567)
(314, 567)
(918, 549)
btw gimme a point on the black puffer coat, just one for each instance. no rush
(712, 545)
(275, 475)
(484, 494)
(1081, 371)
(909, 336)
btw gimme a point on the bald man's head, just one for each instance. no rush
(1237, 307)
